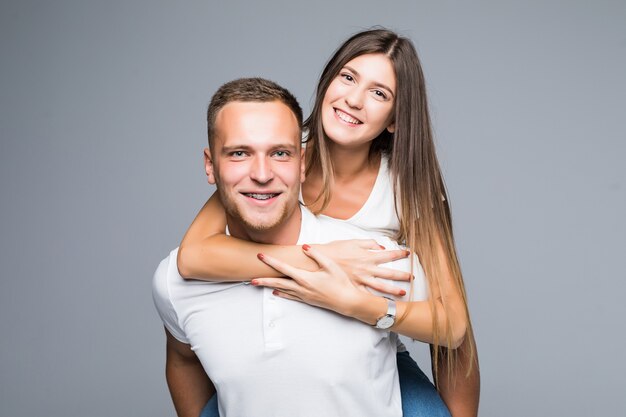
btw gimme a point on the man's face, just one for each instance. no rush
(256, 163)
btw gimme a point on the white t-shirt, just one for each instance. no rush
(269, 356)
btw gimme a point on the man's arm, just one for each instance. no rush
(189, 385)
(460, 393)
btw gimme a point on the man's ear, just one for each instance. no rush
(302, 166)
(209, 167)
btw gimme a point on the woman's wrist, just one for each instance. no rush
(367, 307)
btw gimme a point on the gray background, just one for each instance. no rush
(102, 128)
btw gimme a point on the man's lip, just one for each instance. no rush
(260, 192)
(336, 109)
(251, 194)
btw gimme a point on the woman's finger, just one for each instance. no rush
(368, 244)
(288, 296)
(384, 287)
(384, 256)
(322, 260)
(285, 284)
(388, 273)
(280, 266)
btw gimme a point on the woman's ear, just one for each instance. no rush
(391, 128)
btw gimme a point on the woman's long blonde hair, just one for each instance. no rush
(421, 198)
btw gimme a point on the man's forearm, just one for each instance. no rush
(461, 393)
(189, 385)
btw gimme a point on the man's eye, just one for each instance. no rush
(238, 154)
(281, 154)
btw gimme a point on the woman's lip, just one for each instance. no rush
(337, 112)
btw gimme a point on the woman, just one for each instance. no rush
(370, 123)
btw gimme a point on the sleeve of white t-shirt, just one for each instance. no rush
(162, 297)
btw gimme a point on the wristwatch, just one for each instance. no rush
(388, 319)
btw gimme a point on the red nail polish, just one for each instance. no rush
(254, 282)
(275, 292)
(403, 293)
(260, 256)
(381, 247)
(306, 247)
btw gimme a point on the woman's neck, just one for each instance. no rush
(349, 163)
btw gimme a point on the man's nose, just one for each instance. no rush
(261, 170)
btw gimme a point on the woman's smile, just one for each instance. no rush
(358, 104)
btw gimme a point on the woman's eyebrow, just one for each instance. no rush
(377, 84)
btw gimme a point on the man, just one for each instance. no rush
(268, 355)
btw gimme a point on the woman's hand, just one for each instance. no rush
(360, 260)
(329, 287)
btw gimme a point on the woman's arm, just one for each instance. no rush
(207, 253)
(331, 288)
(458, 389)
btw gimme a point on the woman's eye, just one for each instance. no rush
(347, 77)
(381, 94)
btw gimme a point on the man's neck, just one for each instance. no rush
(286, 233)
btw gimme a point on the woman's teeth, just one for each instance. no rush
(347, 118)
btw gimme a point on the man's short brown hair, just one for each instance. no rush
(249, 90)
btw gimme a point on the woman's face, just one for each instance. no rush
(358, 104)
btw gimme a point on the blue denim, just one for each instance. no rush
(210, 409)
(419, 396)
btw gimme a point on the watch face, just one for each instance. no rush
(385, 322)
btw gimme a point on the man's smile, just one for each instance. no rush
(261, 196)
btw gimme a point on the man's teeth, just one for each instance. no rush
(346, 118)
(261, 196)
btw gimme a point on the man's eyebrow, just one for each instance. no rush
(289, 146)
(242, 147)
(377, 84)
(232, 148)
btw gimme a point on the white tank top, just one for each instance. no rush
(378, 214)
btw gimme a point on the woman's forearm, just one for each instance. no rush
(225, 258)
(415, 319)
(418, 319)
(207, 253)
